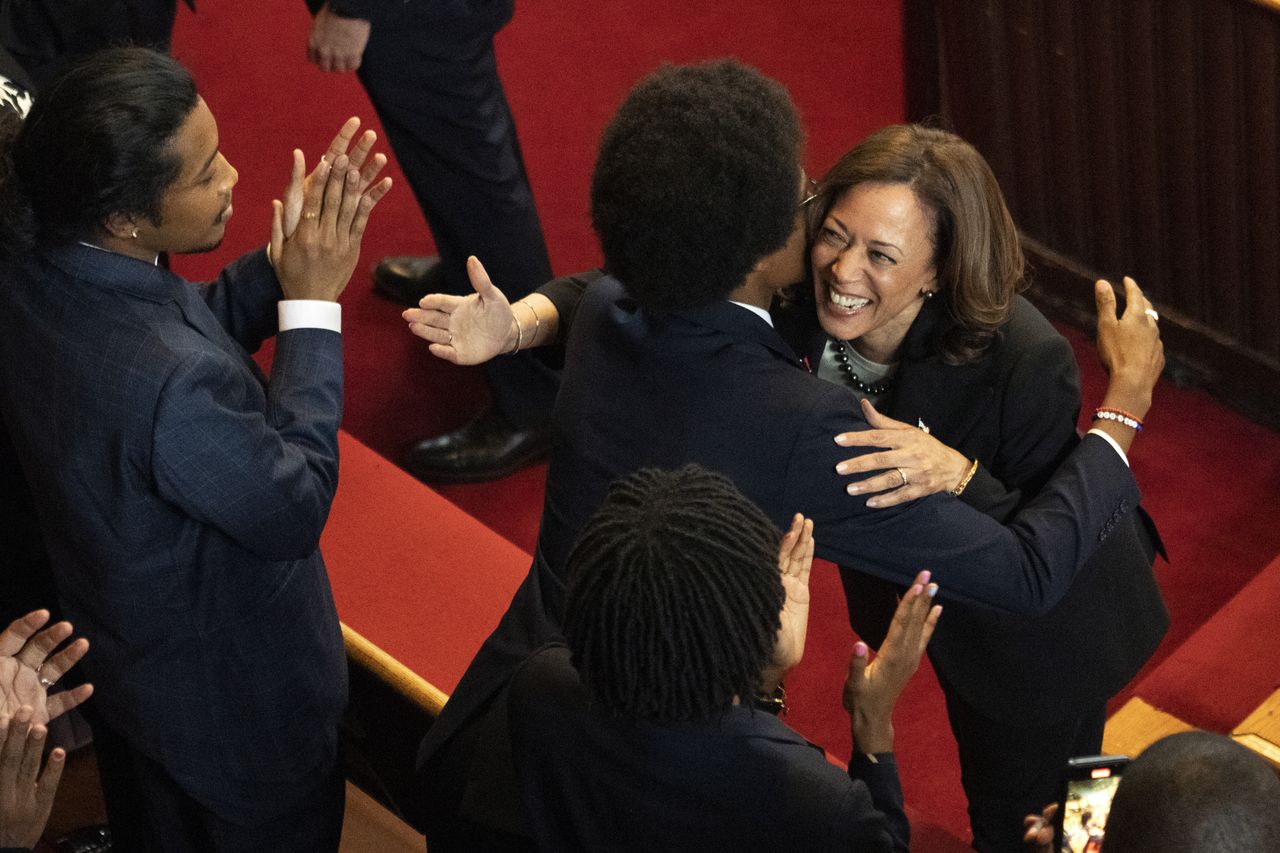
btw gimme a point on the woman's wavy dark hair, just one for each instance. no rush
(695, 182)
(674, 596)
(976, 251)
(97, 142)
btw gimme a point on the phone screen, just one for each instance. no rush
(1085, 809)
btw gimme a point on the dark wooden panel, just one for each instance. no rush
(1139, 137)
(1261, 159)
(1108, 200)
(1224, 227)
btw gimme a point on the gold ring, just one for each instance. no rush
(902, 474)
(311, 215)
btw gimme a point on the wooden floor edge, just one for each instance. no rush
(372, 657)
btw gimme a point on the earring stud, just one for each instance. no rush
(134, 235)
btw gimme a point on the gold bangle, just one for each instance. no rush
(973, 469)
(537, 326)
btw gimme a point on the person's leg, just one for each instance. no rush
(148, 811)
(446, 116)
(1011, 771)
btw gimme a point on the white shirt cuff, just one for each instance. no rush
(1111, 441)
(310, 314)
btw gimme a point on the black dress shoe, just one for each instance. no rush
(404, 279)
(487, 448)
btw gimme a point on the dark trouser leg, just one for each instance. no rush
(150, 813)
(438, 95)
(1011, 771)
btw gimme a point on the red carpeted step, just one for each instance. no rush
(411, 572)
(1228, 666)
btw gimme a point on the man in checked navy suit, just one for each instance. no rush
(181, 493)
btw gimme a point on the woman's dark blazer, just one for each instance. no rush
(1014, 409)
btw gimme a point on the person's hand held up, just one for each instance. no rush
(317, 260)
(29, 666)
(795, 561)
(873, 687)
(26, 794)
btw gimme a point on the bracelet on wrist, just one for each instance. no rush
(1120, 416)
(537, 327)
(964, 481)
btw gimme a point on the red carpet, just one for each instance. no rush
(1211, 479)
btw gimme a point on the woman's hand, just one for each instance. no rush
(29, 667)
(795, 560)
(914, 464)
(872, 688)
(466, 329)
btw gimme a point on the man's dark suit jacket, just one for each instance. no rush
(717, 386)
(744, 781)
(182, 499)
(1014, 409)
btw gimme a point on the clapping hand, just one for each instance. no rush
(28, 667)
(26, 795)
(795, 560)
(872, 687)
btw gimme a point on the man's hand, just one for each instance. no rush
(795, 560)
(28, 668)
(26, 795)
(1130, 347)
(317, 259)
(337, 43)
(358, 158)
(914, 463)
(466, 329)
(872, 688)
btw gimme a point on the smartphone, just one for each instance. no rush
(1088, 784)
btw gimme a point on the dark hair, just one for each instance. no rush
(696, 180)
(97, 142)
(674, 596)
(1195, 791)
(976, 251)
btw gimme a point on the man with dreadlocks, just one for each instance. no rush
(647, 731)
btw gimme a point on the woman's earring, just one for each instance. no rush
(924, 294)
(134, 235)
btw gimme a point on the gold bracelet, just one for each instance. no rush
(519, 335)
(973, 469)
(537, 326)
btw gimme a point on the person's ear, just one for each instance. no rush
(122, 227)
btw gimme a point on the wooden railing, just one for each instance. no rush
(1130, 136)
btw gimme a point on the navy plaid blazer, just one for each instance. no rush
(181, 496)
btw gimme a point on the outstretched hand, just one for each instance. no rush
(26, 795)
(465, 329)
(28, 667)
(914, 464)
(873, 687)
(795, 561)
